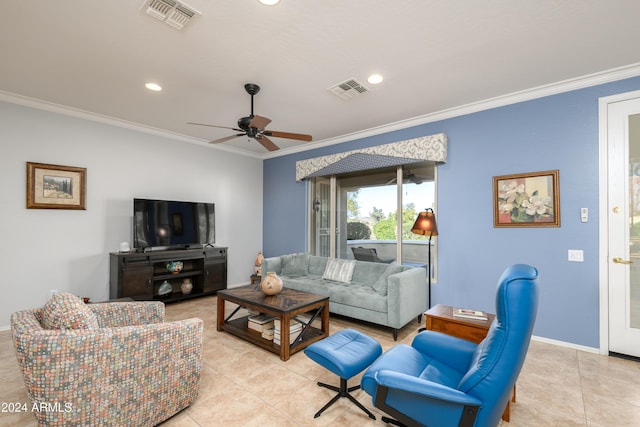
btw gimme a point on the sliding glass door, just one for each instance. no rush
(373, 210)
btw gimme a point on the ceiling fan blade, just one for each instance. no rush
(226, 138)
(215, 126)
(289, 135)
(259, 122)
(267, 143)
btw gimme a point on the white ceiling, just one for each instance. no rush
(95, 56)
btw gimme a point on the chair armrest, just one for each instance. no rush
(117, 314)
(424, 388)
(414, 401)
(452, 351)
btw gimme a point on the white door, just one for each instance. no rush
(623, 134)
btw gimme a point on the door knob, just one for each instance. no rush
(619, 260)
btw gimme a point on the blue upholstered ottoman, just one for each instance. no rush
(345, 353)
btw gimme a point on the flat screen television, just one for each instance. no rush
(172, 224)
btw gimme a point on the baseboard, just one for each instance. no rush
(566, 344)
(533, 338)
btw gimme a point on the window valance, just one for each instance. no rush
(415, 150)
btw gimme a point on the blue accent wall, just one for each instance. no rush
(553, 132)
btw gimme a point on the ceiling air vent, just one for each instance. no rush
(349, 89)
(172, 12)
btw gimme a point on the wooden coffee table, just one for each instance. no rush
(285, 306)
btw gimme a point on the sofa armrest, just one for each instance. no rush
(272, 264)
(115, 375)
(406, 296)
(116, 314)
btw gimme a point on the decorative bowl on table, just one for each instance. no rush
(175, 267)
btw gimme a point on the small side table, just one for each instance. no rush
(440, 319)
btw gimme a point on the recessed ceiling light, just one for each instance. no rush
(374, 79)
(153, 86)
(269, 2)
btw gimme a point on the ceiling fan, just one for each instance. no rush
(409, 177)
(253, 126)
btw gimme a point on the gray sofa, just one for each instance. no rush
(386, 294)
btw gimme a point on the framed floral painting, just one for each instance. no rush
(527, 200)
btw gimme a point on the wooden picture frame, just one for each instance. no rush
(527, 199)
(55, 186)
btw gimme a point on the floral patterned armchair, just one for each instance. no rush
(107, 364)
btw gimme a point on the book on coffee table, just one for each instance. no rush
(467, 313)
(260, 322)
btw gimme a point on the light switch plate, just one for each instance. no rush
(584, 214)
(576, 255)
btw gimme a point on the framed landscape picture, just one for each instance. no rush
(55, 186)
(527, 200)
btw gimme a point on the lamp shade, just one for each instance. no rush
(425, 224)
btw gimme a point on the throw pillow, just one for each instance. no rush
(339, 270)
(380, 286)
(295, 265)
(67, 311)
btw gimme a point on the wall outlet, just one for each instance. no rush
(576, 255)
(52, 292)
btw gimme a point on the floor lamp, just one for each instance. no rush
(425, 225)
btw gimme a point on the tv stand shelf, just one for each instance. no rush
(139, 275)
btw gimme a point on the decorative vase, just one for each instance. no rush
(271, 284)
(165, 289)
(174, 267)
(258, 264)
(186, 286)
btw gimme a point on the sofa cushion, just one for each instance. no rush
(317, 264)
(368, 272)
(380, 285)
(339, 270)
(295, 264)
(313, 284)
(67, 311)
(357, 295)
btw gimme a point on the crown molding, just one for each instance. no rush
(608, 76)
(112, 121)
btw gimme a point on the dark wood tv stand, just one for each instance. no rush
(139, 275)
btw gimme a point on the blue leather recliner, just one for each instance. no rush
(441, 380)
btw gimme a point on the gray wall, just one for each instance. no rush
(69, 250)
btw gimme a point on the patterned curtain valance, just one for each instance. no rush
(432, 147)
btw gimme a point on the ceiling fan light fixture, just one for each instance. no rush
(269, 2)
(253, 126)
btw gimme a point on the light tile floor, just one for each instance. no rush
(243, 385)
